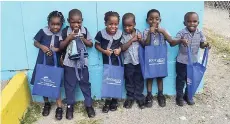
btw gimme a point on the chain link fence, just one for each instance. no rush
(222, 5)
(217, 17)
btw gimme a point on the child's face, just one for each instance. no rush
(154, 19)
(55, 24)
(192, 22)
(129, 25)
(75, 22)
(112, 25)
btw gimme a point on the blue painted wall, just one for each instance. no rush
(21, 21)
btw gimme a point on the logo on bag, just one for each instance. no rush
(157, 61)
(47, 82)
(189, 81)
(113, 81)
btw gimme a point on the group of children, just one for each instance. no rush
(111, 42)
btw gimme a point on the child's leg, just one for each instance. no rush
(129, 80)
(180, 82)
(59, 102)
(85, 86)
(149, 85)
(160, 85)
(138, 83)
(129, 85)
(139, 87)
(59, 110)
(70, 86)
(160, 96)
(180, 78)
(46, 99)
(149, 97)
(47, 107)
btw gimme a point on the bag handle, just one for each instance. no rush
(205, 57)
(152, 40)
(189, 55)
(54, 57)
(119, 61)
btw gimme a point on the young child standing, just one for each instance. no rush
(160, 35)
(196, 40)
(108, 43)
(47, 40)
(134, 82)
(73, 69)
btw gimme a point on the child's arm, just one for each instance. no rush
(125, 46)
(44, 48)
(108, 52)
(117, 51)
(88, 43)
(172, 42)
(203, 43)
(65, 42)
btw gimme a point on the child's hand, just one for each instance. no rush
(208, 45)
(82, 37)
(118, 51)
(184, 42)
(71, 36)
(108, 52)
(134, 39)
(139, 37)
(46, 50)
(152, 29)
(54, 48)
(160, 30)
(61, 60)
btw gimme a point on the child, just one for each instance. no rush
(75, 68)
(134, 82)
(154, 19)
(195, 39)
(108, 43)
(47, 40)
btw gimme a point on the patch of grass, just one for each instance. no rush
(80, 108)
(32, 114)
(89, 121)
(221, 43)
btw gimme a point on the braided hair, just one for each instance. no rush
(56, 14)
(109, 14)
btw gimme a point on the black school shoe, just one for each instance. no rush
(161, 100)
(128, 103)
(105, 108)
(90, 111)
(113, 105)
(179, 101)
(69, 112)
(59, 113)
(149, 100)
(141, 104)
(46, 109)
(189, 102)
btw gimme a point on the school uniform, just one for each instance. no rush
(46, 38)
(108, 41)
(134, 82)
(73, 69)
(194, 41)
